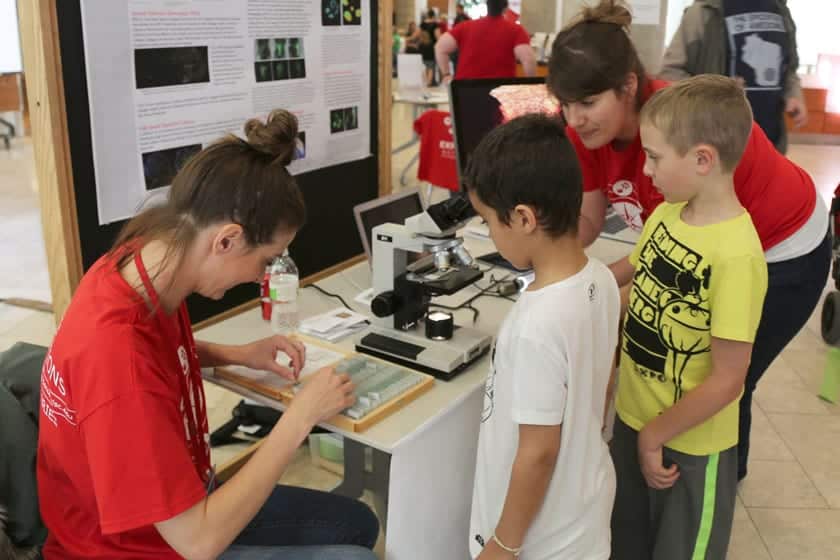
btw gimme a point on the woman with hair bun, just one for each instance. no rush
(123, 458)
(596, 74)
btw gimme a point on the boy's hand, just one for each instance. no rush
(650, 461)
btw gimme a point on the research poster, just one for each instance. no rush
(167, 78)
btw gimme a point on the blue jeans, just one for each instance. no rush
(302, 524)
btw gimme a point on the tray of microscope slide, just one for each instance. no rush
(381, 387)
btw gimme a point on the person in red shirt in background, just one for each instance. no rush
(487, 47)
(123, 453)
(596, 74)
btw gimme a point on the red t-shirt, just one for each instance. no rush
(485, 47)
(437, 149)
(778, 194)
(123, 428)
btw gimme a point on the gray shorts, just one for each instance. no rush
(692, 520)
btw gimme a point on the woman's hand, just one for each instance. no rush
(262, 355)
(324, 394)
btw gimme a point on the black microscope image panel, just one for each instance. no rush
(263, 71)
(281, 69)
(297, 69)
(280, 48)
(351, 12)
(330, 12)
(336, 120)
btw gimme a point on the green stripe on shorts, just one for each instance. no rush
(704, 535)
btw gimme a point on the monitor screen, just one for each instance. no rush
(394, 209)
(478, 106)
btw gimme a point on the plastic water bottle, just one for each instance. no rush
(283, 283)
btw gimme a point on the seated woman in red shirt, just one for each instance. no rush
(596, 74)
(123, 456)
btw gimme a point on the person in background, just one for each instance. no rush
(412, 39)
(692, 313)
(444, 23)
(460, 15)
(123, 453)
(397, 47)
(429, 34)
(487, 47)
(752, 40)
(595, 73)
(544, 482)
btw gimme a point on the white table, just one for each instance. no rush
(427, 449)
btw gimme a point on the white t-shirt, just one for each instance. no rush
(551, 365)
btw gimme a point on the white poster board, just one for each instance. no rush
(646, 12)
(165, 79)
(10, 59)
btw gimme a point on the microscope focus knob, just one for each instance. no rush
(384, 304)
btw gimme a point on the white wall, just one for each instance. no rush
(816, 28)
(10, 60)
(672, 20)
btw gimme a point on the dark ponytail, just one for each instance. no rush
(232, 180)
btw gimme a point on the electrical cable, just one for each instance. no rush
(330, 294)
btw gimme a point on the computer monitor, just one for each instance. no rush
(478, 106)
(394, 208)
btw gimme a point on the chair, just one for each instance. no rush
(21, 530)
(9, 101)
(437, 151)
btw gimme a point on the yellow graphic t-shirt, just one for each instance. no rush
(691, 284)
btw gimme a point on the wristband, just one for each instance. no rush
(514, 551)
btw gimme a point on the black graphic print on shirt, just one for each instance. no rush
(668, 318)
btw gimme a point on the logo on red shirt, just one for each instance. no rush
(53, 394)
(626, 204)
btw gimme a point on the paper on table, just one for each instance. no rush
(316, 358)
(339, 318)
(830, 388)
(336, 334)
(365, 297)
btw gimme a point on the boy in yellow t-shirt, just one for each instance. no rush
(692, 312)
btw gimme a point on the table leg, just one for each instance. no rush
(414, 140)
(411, 162)
(357, 478)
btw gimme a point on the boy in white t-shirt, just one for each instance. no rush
(544, 483)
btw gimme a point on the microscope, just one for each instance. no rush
(411, 264)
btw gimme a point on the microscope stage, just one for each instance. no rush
(443, 359)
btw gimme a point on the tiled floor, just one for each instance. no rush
(789, 506)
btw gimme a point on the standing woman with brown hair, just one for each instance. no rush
(123, 458)
(596, 74)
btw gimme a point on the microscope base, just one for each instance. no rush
(444, 359)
